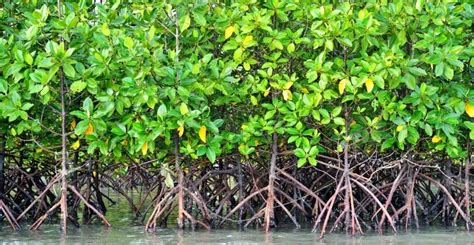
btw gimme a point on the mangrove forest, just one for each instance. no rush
(342, 116)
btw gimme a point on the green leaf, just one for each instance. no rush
(196, 68)
(211, 154)
(410, 81)
(277, 44)
(162, 111)
(439, 69)
(300, 153)
(238, 54)
(345, 41)
(200, 19)
(28, 59)
(417, 71)
(312, 161)
(78, 86)
(428, 130)
(402, 135)
(448, 72)
(119, 129)
(339, 121)
(301, 162)
(69, 70)
(27, 106)
(31, 32)
(336, 111)
(36, 89)
(3, 86)
(184, 22)
(81, 127)
(45, 63)
(388, 143)
(88, 106)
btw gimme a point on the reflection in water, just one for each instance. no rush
(63, 239)
(50, 234)
(180, 235)
(268, 238)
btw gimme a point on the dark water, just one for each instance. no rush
(49, 234)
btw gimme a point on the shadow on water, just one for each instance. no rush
(50, 234)
(124, 232)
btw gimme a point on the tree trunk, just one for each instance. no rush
(177, 163)
(448, 184)
(347, 221)
(98, 194)
(74, 199)
(2, 166)
(64, 156)
(241, 191)
(86, 215)
(467, 195)
(269, 212)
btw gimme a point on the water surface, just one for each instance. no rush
(49, 234)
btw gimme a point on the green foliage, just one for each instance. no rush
(224, 77)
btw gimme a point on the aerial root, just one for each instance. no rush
(165, 203)
(41, 219)
(63, 201)
(377, 201)
(451, 199)
(43, 193)
(101, 216)
(9, 216)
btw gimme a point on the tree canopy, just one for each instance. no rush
(224, 77)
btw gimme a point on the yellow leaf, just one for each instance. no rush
(144, 148)
(253, 100)
(288, 85)
(180, 131)
(265, 94)
(76, 145)
(247, 40)
(39, 150)
(369, 85)
(436, 139)
(246, 66)
(89, 130)
(94, 173)
(342, 85)
(287, 95)
(105, 29)
(304, 90)
(183, 108)
(202, 133)
(128, 42)
(73, 124)
(469, 109)
(400, 128)
(290, 48)
(229, 31)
